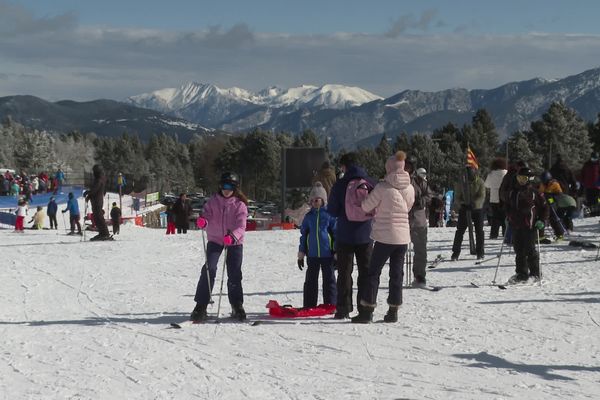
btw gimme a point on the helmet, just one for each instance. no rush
(422, 172)
(524, 171)
(545, 177)
(230, 178)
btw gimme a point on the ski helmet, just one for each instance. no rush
(421, 172)
(230, 178)
(545, 177)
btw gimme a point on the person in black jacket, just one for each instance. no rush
(115, 217)
(182, 210)
(353, 239)
(96, 196)
(526, 210)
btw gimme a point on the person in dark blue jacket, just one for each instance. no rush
(352, 238)
(73, 209)
(316, 243)
(51, 211)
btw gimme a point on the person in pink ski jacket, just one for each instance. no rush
(224, 219)
(393, 198)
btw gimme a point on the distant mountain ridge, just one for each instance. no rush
(346, 115)
(103, 117)
(350, 115)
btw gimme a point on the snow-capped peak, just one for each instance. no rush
(326, 96)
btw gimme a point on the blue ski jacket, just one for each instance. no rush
(72, 207)
(317, 233)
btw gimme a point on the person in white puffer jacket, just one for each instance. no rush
(393, 198)
(493, 182)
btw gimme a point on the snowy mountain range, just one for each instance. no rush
(239, 109)
(350, 115)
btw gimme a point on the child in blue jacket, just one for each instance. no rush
(316, 243)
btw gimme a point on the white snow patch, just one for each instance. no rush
(91, 320)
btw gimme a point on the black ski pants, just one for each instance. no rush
(53, 222)
(461, 227)
(381, 253)
(99, 221)
(345, 260)
(527, 259)
(311, 282)
(498, 220)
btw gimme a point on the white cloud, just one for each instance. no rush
(83, 62)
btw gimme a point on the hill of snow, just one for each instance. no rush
(91, 320)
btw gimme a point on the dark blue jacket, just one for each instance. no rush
(348, 232)
(52, 208)
(317, 233)
(73, 207)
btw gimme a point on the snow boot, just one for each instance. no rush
(238, 312)
(392, 314)
(199, 313)
(365, 316)
(517, 279)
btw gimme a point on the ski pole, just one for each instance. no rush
(84, 217)
(64, 222)
(499, 257)
(410, 259)
(210, 301)
(222, 279)
(539, 255)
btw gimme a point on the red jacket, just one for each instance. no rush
(590, 174)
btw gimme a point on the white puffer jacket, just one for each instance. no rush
(393, 197)
(493, 182)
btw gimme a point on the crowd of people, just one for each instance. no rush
(25, 185)
(355, 220)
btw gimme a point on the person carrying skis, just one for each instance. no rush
(38, 218)
(316, 243)
(352, 236)
(96, 196)
(51, 210)
(471, 185)
(526, 210)
(393, 198)
(115, 217)
(224, 218)
(73, 209)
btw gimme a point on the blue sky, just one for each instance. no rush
(84, 50)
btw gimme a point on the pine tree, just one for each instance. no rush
(519, 150)
(561, 131)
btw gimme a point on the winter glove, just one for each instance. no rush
(300, 263)
(300, 260)
(227, 240)
(539, 225)
(201, 223)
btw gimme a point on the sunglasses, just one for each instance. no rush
(227, 186)
(523, 179)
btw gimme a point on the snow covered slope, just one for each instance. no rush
(91, 321)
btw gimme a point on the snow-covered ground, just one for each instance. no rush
(91, 321)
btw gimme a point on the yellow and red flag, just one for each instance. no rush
(471, 159)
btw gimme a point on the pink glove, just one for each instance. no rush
(227, 240)
(201, 223)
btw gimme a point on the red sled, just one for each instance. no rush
(286, 311)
